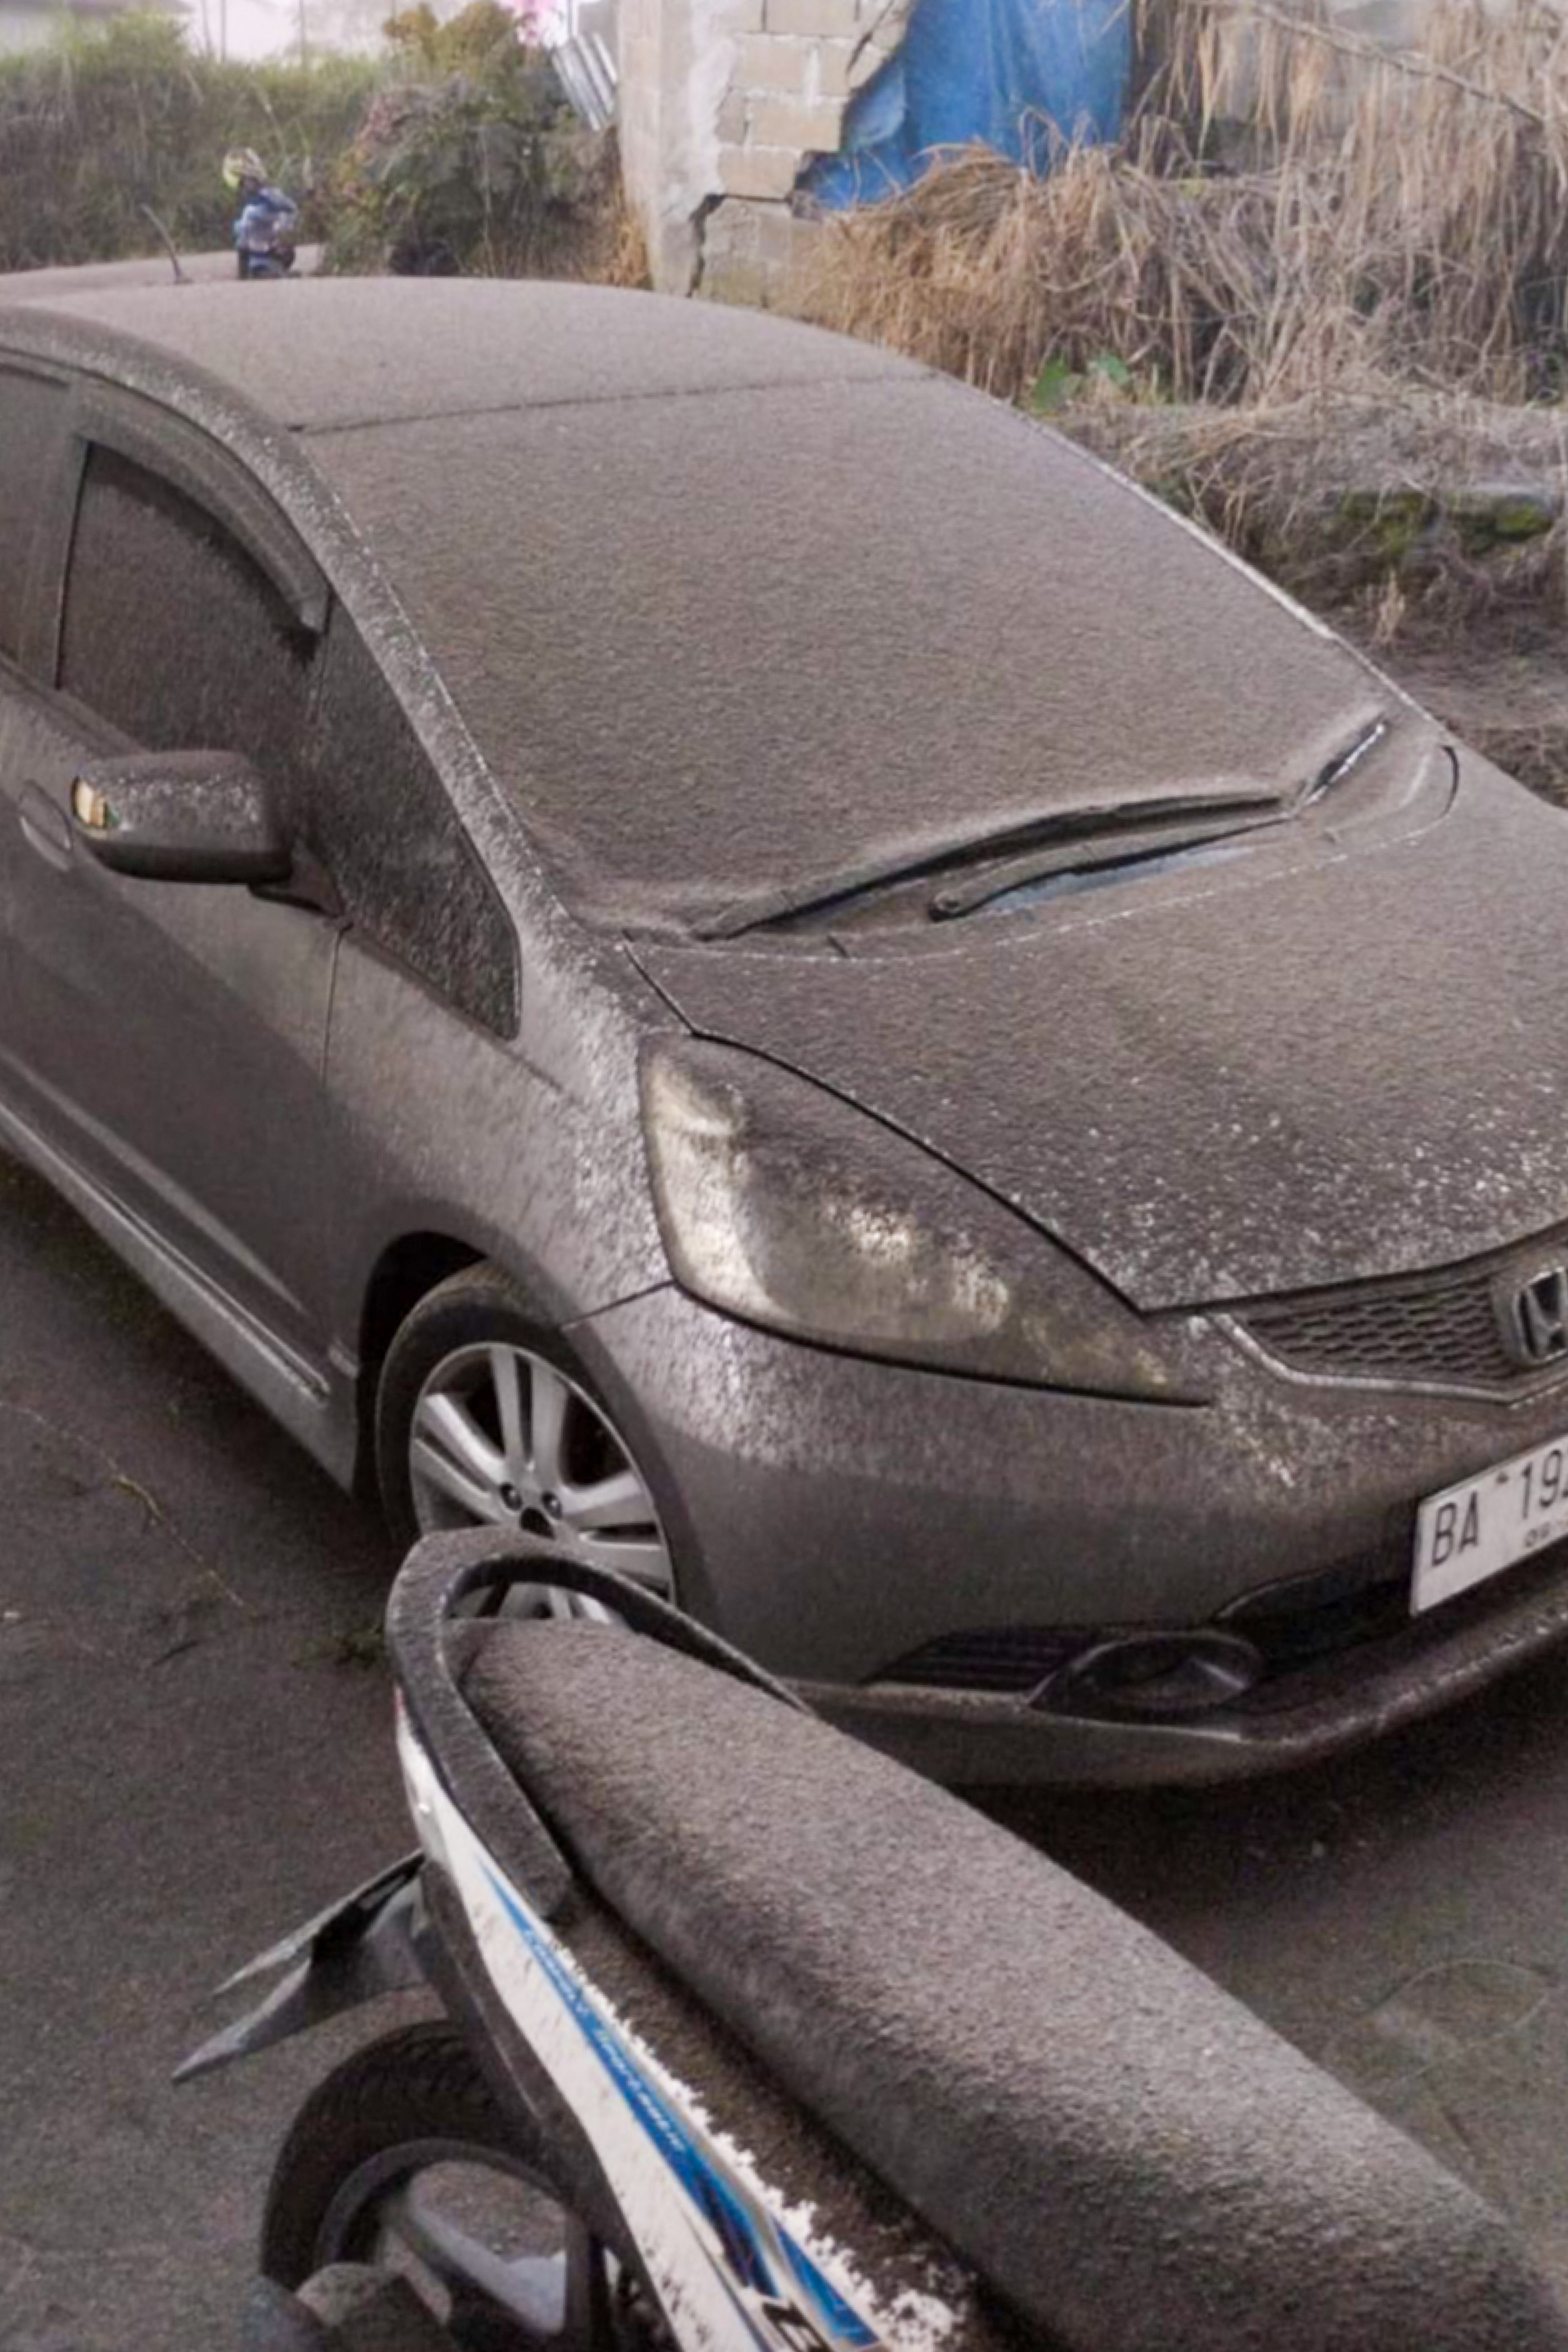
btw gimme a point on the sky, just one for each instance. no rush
(255, 28)
(269, 28)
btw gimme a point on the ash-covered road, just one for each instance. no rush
(192, 1759)
(195, 1741)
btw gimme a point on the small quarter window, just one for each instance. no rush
(378, 817)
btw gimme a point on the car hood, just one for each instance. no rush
(1339, 1063)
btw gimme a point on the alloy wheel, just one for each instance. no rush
(502, 1437)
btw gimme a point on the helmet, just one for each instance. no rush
(242, 164)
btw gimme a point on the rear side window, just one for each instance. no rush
(378, 816)
(173, 634)
(30, 419)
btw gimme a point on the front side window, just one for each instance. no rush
(173, 634)
(31, 413)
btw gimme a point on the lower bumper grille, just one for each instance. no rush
(1313, 1616)
(1294, 1625)
(1010, 1661)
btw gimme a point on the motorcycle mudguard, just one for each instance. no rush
(371, 1943)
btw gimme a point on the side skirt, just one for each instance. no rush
(314, 1403)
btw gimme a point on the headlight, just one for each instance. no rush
(780, 1203)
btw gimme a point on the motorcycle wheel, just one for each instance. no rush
(401, 2157)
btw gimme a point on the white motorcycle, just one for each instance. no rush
(754, 2042)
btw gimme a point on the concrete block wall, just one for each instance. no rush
(796, 66)
(722, 103)
(639, 58)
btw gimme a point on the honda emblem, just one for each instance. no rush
(1534, 1316)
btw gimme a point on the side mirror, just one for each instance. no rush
(180, 816)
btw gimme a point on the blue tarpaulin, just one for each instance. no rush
(1020, 76)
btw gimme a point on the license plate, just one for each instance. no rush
(1470, 1531)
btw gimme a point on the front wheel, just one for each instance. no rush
(483, 1421)
(402, 2158)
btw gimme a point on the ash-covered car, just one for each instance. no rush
(670, 931)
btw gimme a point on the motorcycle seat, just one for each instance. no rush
(1129, 2156)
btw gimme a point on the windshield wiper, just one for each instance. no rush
(1041, 829)
(1131, 848)
(1140, 844)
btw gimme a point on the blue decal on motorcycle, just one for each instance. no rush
(846, 2322)
(715, 2196)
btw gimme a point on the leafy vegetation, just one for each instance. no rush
(1060, 386)
(454, 151)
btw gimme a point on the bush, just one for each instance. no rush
(103, 122)
(471, 160)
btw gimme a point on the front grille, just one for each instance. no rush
(1427, 1327)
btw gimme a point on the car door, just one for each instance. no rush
(168, 1038)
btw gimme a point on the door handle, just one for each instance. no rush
(45, 825)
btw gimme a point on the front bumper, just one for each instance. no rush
(831, 1515)
(1304, 1717)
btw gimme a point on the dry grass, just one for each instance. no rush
(589, 233)
(1290, 211)
(619, 255)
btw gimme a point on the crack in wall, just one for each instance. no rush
(724, 103)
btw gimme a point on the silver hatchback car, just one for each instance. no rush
(666, 930)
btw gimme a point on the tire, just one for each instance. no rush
(443, 1454)
(405, 2113)
(416, 2087)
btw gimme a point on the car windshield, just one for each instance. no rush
(718, 648)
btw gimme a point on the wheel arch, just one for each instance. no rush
(406, 1270)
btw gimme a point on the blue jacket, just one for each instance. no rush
(267, 213)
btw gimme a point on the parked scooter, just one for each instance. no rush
(268, 219)
(754, 2042)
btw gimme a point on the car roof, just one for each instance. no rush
(328, 352)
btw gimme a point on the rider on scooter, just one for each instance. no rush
(263, 226)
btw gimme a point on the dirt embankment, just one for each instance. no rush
(1431, 527)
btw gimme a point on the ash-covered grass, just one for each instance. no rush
(1416, 506)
